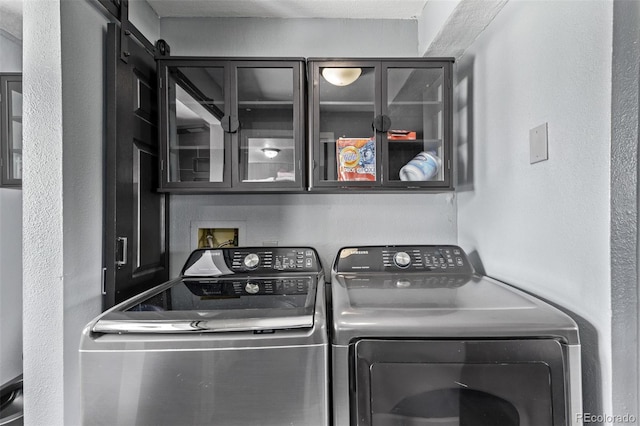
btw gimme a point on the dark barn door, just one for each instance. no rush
(136, 243)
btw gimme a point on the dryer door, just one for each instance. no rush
(458, 383)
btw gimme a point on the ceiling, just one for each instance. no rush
(11, 10)
(465, 23)
(347, 9)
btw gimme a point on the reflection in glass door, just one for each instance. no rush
(414, 104)
(266, 112)
(196, 136)
(347, 107)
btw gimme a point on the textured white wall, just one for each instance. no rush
(326, 222)
(543, 227)
(43, 295)
(451, 35)
(430, 22)
(624, 207)
(63, 113)
(10, 246)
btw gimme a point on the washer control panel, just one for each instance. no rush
(215, 262)
(274, 259)
(435, 259)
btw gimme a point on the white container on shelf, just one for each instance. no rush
(423, 166)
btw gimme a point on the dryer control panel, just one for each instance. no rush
(435, 259)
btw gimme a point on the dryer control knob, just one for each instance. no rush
(252, 288)
(402, 259)
(251, 261)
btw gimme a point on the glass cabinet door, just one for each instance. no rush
(11, 127)
(232, 124)
(414, 102)
(383, 124)
(196, 114)
(345, 97)
(268, 153)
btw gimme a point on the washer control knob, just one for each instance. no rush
(402, 259)
(252, 288)
(251, 261)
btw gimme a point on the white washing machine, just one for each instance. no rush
(239, 339)
(418, 338)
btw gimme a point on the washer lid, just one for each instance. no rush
(216, 305)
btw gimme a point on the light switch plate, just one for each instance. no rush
(538, 144)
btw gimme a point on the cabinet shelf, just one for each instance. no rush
(348, 106)
(265, 104)
(414, 141)
(414, 103)
(398, 142)
(347, 103)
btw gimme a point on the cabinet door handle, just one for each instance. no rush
(382, 123)
(123, 247)
(230, 124)
(104, 282)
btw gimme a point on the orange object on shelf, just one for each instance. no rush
(401, 135)
(356, 159)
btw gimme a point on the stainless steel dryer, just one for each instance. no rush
(419, 339)
(239, 339)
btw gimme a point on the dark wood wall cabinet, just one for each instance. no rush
(291, 125)
(380, 124)
(11, 130)
(232, 124)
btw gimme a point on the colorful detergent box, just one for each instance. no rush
(356, 159)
